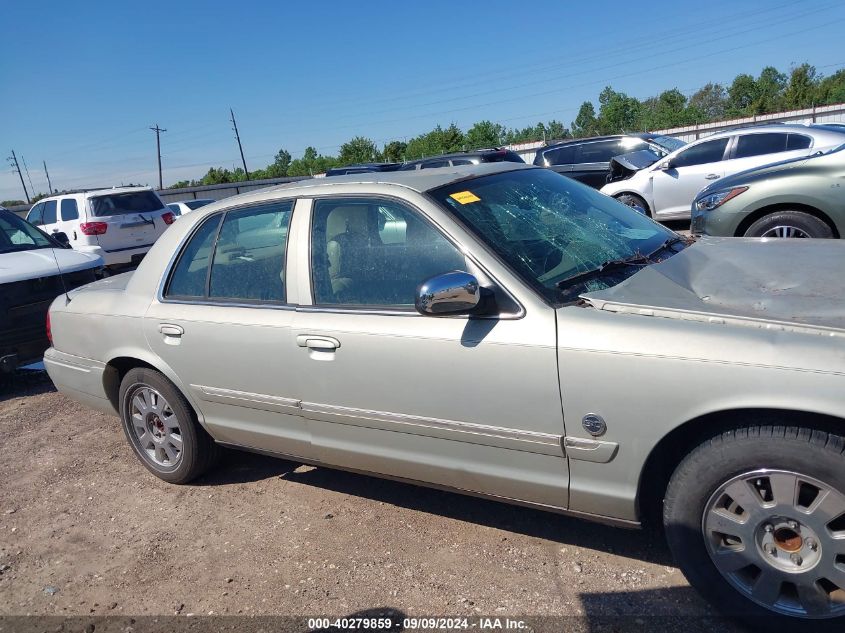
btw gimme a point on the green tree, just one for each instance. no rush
(769, 94)
(394, 152)
(801, 91)
(484, 134)
(618, 112)
(11, 203)
(667, 110)
(708, 103)
(357, 150)
(555, 130)
(585, 123)
(831, 89)
(438, 141)
(741, 95)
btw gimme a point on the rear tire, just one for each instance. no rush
(634, 201)
(162, 428)
(755, 518)
(794, 224)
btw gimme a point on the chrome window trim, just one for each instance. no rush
(168, 269)
(386, 310)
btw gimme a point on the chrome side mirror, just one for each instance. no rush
(456, 292)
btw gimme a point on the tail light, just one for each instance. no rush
(93, 228)
(168, 217)
(49, 331)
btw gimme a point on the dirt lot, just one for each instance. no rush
(85, 530)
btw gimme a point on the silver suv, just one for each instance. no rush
(667, 188)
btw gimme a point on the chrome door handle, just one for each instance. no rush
(320, 343)
(711, 176)
(171, 330)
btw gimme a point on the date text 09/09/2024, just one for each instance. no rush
(433, 623)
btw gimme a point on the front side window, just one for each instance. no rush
(372, 252)
(17, 235)
(707, 152)
(69, 209)
(237, 258)
(759, 144)
(49, 212)
(36, 214)
(549, 228)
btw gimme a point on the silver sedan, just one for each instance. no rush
(503, 331)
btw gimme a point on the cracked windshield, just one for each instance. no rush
(550, 229)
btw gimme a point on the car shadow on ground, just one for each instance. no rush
(645, 545)
(24, 382)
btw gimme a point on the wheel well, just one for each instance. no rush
(786, 206)
(671, 450)
(637, 195)
(115, 370)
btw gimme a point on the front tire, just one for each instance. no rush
(795, 224)
(755, 519)
(162, 429)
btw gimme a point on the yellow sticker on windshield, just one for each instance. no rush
(465, 197)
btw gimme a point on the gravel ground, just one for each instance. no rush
(85, 530)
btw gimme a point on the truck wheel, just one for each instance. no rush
(789, 224)
(633, 201)
(755, 518)
(162, 428)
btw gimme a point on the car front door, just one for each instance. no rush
(676, 181)
(223, 325)
(468, 403)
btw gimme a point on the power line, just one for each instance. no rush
(240, 147)
(158, 131)
(14, 159)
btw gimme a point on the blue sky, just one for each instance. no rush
(83, 82)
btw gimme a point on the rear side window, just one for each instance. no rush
(759, 144)
(50, 212)
(561, 156)
(249, 258)
(798, 141)
(600, 151)
(246, 252)
(69, 209)
(461, 161)
(120, 203)
(703, 153)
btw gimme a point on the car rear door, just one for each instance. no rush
(467, 403)
(675, 186)
(225, 329)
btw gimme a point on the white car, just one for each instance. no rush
(186, 206)
(119, 225)
(34, 270)
(666, 189)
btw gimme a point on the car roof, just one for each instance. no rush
(96, 192)
(590, 139)
(798, 128)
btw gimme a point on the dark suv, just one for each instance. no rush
(494, 155)
(588, 159)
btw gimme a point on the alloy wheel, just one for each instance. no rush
(783, 230)
(779, 538)
(156, 427)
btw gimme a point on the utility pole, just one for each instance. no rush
(28, 177)
(158, 130)
(240, 147)
(14, 159)
(47, 173)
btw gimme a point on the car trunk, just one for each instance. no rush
(133, 220)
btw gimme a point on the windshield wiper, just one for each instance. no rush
(666, 244)
(606, 268)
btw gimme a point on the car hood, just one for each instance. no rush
(792, 284)
(626, 165)
(41, 262)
